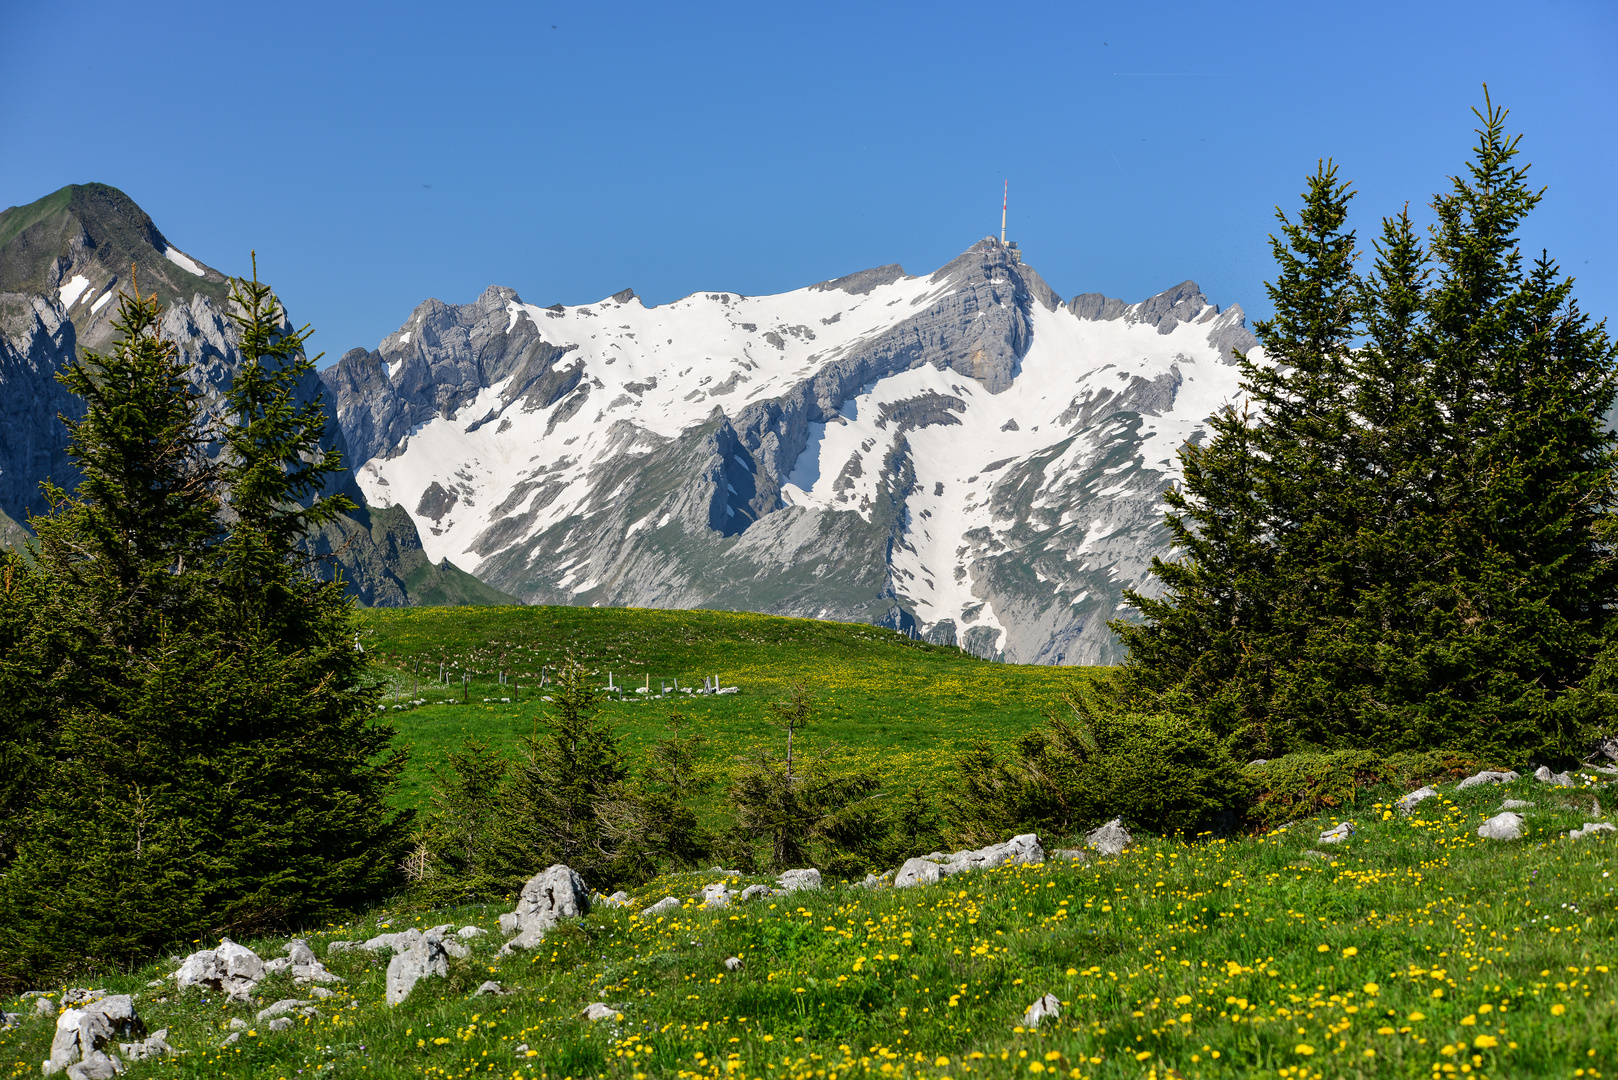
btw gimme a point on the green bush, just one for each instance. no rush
(1305, 784)
(1162, 772)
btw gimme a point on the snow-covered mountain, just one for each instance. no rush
(959, 453)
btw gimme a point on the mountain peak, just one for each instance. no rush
(78, 245)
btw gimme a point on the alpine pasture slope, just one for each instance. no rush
(883, 699)
(1414, 949)
(962, 454)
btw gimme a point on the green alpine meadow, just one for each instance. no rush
(1343, 808)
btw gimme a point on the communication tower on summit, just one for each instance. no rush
(1016, 255)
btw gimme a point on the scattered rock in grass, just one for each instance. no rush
(1046, 1008)
(276, 965)
(1592, 828)
(599, 1011)
(1256, 762)
(156, 984)
(9, 1020)
(84, 1034)
(733, 963)
(238, 1024)
(1506, 826)
(668, 903)
(285, 1005)
(229, 1039)
(756, 890)
(617, 899)
(1072, 854)
(299, 952)
(1544, 775)
(916, 872)
(520, 1049)
(727, 873)
(154, 1045)
(428, 955)
(44, 1007)
(551, 895)
(335, 947)
(1406, 803)
(1595, 811)
(1338, 833)
(281, 1023)
(469, 932)
(1487, 777)
(230, 969)
(875, 881)
(1111, 839)
(398, 942)
(716, 895)
(82, 997)
(1516, 804)
(492, 987)
(793, 880)
(321, 992)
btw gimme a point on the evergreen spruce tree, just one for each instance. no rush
(209, 761)
(561, 780)
(1401, 538)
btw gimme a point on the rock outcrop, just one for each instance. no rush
(230, 969)
(554, 894)
(86, 1035)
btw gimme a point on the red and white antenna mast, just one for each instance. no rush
(1003, 193)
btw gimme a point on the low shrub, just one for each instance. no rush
(1301, 785)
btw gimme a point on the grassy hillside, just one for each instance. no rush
(903, 706)
(1413, 950)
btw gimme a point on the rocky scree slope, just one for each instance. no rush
(63, 262)
(960, 454)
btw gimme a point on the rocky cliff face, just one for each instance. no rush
(63, 262)
(960, 454)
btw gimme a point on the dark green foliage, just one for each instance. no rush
(649, 820)
(560, 779)
(463, 850)
(1159, 771)
(1304, 784)
(189, 696)
(804, 809)
(1400, 540)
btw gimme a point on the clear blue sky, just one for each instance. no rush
(376, 155)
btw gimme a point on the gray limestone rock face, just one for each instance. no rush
(425, 957)
(85, 1035)
(668, 903)
(230, 969)
(1516, 804)
(916, 872)
(554, 894)
(716, 895)
(756, 890)
(600, 1011)
(1591, 829)
(1486, 777)
(491, 987)
(1544, 775)
(1406, 803)
(793, 880)
(280, 1008)
(282, 1023)
(1338, 834)
(1504, 826)
(1048, 1007)
(1110, 839)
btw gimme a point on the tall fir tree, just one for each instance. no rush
(210, 761)
(1402, 538)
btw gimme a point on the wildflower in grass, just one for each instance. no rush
(1558, 1009)
(1351, 951)
(1485, 1042)
(1303, 1048)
